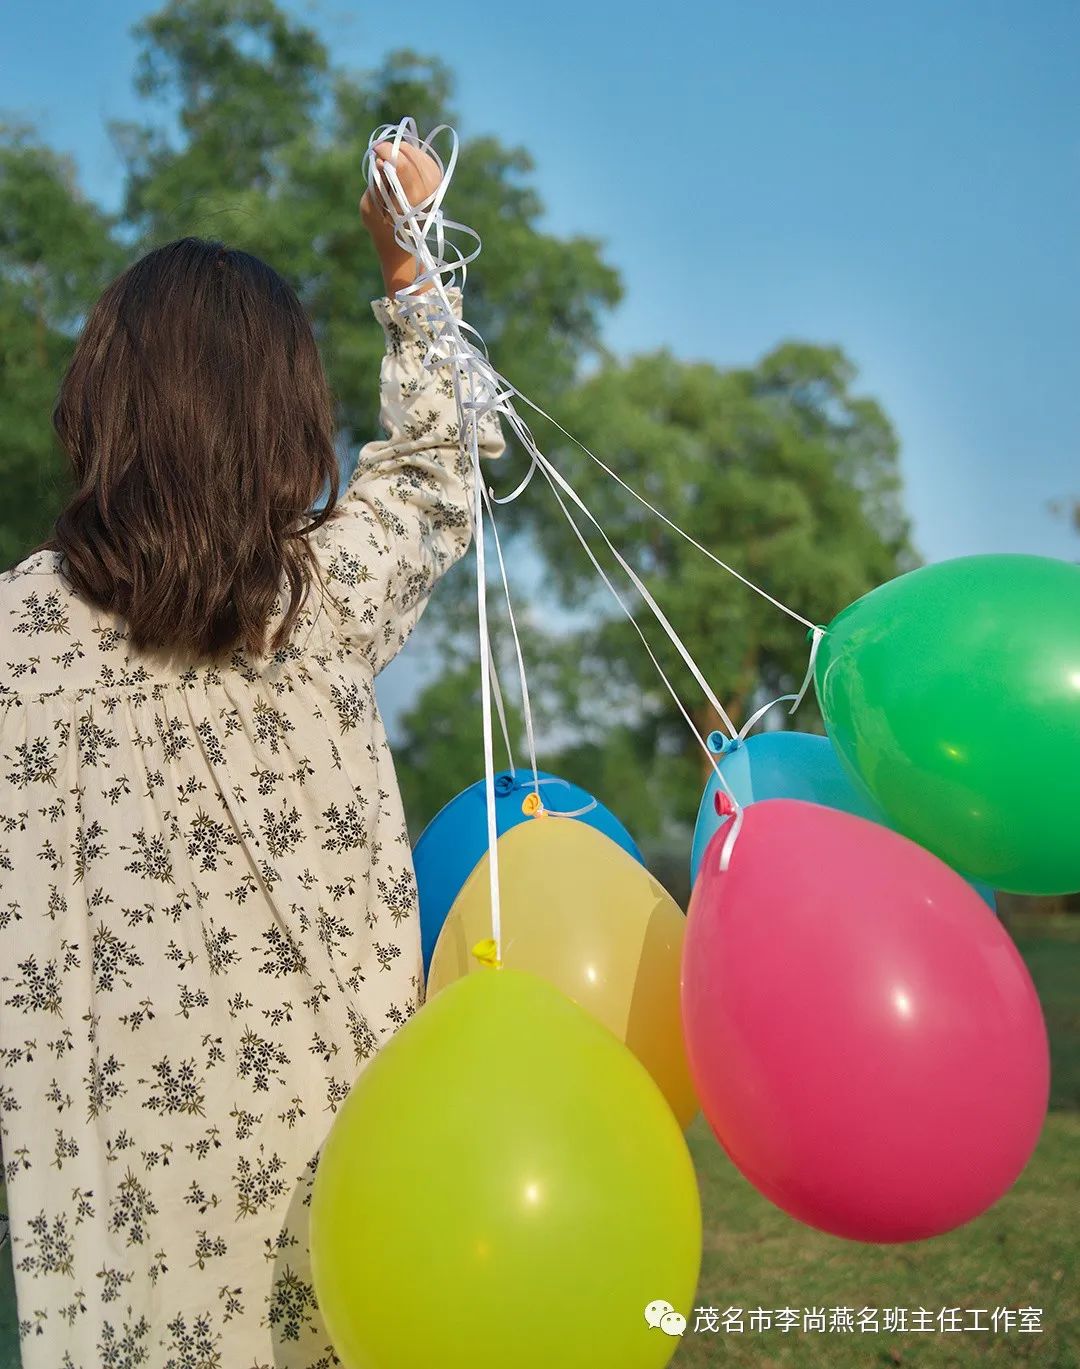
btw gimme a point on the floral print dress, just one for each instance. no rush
(208, 924)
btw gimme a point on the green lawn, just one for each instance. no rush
(1024, 1253)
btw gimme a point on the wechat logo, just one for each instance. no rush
(660, 1314)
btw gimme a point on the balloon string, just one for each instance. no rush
(728, 848)
(500, 708)
(539, 461)
(562, 812)
(554, 478)
(412, 224)
(757, 716)
(526, 705)
(644, 641)
(816, 634)
(486, 691)
(776, 603)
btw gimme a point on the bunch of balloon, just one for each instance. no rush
(581, 913)
(504, 1185)
(864, 1037)
(456, 839)
(782, 765)
(952, 696)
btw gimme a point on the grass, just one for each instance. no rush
(1051, 948)
(1025, 1252)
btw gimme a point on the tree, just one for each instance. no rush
(270, 157)
(55, 250)
(782, 471)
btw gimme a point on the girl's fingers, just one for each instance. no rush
(403, 162)
(379, 191)
(410, 172)
(411, 154)
(417, 172)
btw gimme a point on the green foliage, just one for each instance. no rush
(778, 470)
(269, 159)
(782, 471)
(55, 253)
(440, 751)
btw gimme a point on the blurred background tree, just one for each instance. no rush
(253, 136)
(56, 252)
(267, 154)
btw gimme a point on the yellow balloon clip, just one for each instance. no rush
(487, 953)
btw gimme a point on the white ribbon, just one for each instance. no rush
(413, 224)
(500, 708)
(816, 634)
(526, 705)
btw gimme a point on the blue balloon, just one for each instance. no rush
(784, 765)
(456, 840)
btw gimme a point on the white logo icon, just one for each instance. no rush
(661, 1314)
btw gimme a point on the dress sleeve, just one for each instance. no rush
(406, 514)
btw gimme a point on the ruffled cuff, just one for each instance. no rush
(396, 322)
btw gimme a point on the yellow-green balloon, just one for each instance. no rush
(504, 1188)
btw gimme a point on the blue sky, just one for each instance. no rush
(901, 179)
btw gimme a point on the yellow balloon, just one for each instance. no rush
(582, 914)
(504, 1188)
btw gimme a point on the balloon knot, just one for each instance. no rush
(487, 953)
(724, 804)
(531, 806)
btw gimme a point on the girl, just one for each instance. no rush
(208, 916)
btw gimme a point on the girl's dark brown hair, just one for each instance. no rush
(199, 424)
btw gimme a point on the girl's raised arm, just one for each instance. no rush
(406, 515)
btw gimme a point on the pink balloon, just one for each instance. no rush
(865, 1040)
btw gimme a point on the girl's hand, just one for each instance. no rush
(419, 176)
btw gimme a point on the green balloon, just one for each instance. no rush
(504, 1186)
(952, 695)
